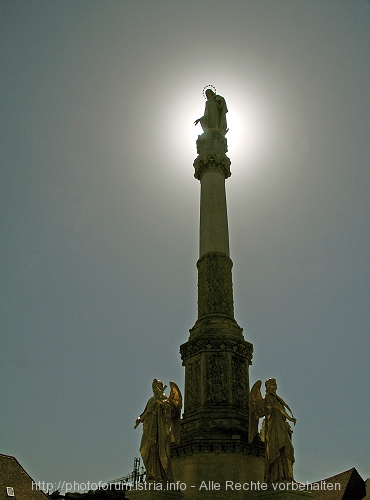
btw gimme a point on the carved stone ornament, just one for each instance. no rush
(255, 450)
(216, 378)
(211, 148)
(239, 382)
(215, 288)
(211, 162)
(190, 349)
(192, 385)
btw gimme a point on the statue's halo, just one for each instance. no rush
(208, 87)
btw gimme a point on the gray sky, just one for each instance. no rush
(100, 211)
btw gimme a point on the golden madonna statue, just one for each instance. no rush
(214, 117)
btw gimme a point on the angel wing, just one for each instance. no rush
(256, 409)
(175, 398)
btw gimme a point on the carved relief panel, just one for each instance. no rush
(193, 384)
(216, 378)
(239, 382)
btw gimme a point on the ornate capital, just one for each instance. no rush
(211, 149)
(211, 162)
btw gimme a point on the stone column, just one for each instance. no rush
(214, 233)
(214, 430)
(212, 167)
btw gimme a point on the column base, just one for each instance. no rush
(218, 476)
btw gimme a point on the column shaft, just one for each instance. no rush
(214, 233)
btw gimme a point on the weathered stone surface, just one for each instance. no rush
(211, 148)
(211, 142)
(216, 326)
(283, 495)
(154, 495)
(212, 475)
(216, 384)
(215, 287)
(214, 446)
(214, 231)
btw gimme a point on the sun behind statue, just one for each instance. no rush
(214, 117)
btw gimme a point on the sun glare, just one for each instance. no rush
(245, 121)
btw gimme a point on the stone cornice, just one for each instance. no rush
(191, 348)
(214, 446)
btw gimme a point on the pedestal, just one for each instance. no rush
(216, 475)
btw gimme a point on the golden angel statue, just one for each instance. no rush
(161, 427)
(275, 431)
